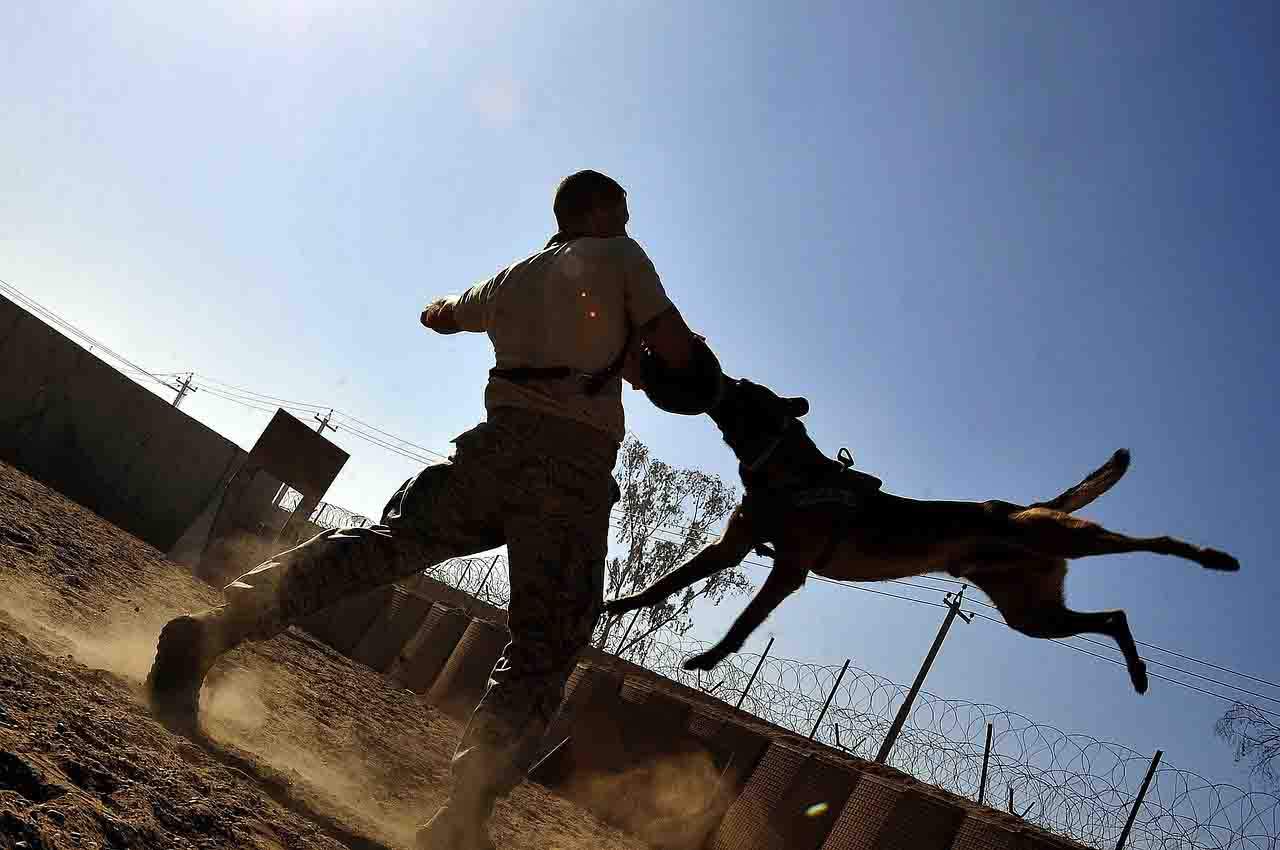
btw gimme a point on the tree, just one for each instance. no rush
(666, 516)
(1254, 735)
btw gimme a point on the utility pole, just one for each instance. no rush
(953, 606)
(324, 423)
(183, 388)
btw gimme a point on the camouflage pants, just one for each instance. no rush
(541, 485)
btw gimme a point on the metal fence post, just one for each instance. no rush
(986, 754)
(627, 633)
(485, 581)
(754, 673)
(826, 704)
(953, 604)
(466, 571)
(1142, 794)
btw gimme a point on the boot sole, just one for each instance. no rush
(173, 685)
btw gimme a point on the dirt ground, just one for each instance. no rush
(307, 750)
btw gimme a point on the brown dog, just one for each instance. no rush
(820, 515)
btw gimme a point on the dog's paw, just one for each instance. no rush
(703, 661)
(1212, 559)
(1138, 674)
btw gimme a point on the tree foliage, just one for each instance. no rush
(1254, 736)
(666, 516)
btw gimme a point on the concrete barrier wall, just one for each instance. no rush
(438, 591)
(395, 624)
(859, 824)
(978, 833)
(736, 749)
(752, 821)
(654, 723)
(773, 789)
(343, 624)
(424, 656)
(920, 822)
(462, 682)
(76, 424)
(587, 718)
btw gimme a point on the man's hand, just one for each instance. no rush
(438, 316)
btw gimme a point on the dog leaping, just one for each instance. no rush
(822, 516)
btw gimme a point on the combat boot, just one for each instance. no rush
(189, 646)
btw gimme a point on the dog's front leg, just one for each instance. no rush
(781, 583)
(726, 552)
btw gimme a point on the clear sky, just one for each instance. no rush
(991, 242)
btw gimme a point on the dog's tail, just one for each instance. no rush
(1099, 481)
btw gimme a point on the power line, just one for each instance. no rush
(294, 406)
(259, 402)
(241, 402)
(1175, 653)
(73, 330)
(1152, 675)
(349, 418)
(1207, 664)
(252, 393)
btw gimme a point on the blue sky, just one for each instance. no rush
(991, 242)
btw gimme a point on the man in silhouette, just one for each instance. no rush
(536, 475)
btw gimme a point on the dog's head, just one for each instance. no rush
(753, 418)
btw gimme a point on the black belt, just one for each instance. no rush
(592, 382)
(521, 374)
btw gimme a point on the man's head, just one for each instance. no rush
(591, 204)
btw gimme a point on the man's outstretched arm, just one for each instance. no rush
(439, 317)
(468, 311)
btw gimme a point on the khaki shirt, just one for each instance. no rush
(567, 305)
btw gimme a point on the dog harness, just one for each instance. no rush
(846, 486)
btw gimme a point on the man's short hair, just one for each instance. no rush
(583, 192)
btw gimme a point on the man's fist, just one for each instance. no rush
(438, 316)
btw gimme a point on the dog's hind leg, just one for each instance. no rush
(1063, 622)
(726, 552)
(1030, 597)
(1060, 535)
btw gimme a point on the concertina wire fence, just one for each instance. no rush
(1071, 783)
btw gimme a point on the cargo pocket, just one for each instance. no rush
(415, 501)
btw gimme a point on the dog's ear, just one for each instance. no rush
(797, 406)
